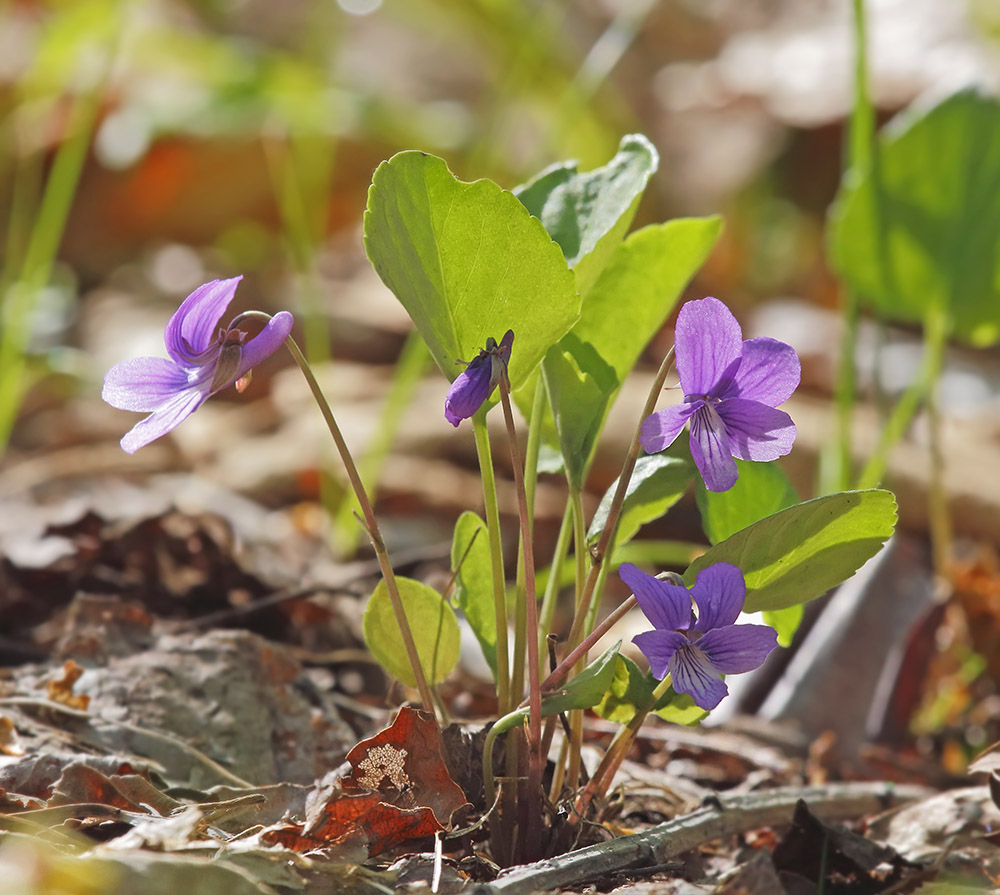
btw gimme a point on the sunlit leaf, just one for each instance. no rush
(432, 622)
(800, 553)
(586, 688)
(631, 690)
(628, 305)
(920, 230)
(588, 213)
(657, 483)
(761, 489)
(470, 555)
(467, 262)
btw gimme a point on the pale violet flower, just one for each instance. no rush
(731, 391)
(696, 650)
(204, 358)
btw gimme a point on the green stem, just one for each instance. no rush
(530, 601)
(616, 752)
(520, 586)
(409, 370)
(579, 543)
(940, 517)
(492, 513)
(600, 551)
(860, 151)
(368, 513)
(560, 672)
(935, 340)
(510, 721)
(548, 611)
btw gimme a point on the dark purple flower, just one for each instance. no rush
(476, 382)
(204, 358)
(731, 389)
(697, 651)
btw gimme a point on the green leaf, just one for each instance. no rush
(473, 582)
(631, 690)
(432, 622)
(585, 689)
(588, 214)
(467, 262)
(658, 482)
(640, 286)
(761, 489)
(785, 621)
(918, 232)
(579, 386)
(800, 553)
(584, 372)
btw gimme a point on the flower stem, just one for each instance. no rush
(370, 522)
(530, 599)
(548, 610)
(599, 552)
(616, 752)
(492, 512)
(560, 672)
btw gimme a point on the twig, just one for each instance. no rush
(738, 814)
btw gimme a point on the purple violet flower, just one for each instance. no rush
(476, 382)
(731, 389)
(697, 651)
(204, 358)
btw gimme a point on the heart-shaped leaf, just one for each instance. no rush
(918, 232)
(434, 627)
(468, 262)
(628, 305)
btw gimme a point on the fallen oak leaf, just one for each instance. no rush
(81, 783)
(405, 764)
(363, 818)
(399, 789)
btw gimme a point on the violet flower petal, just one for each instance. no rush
(707, 342)
(738, 648)
(193, 328)
(659, 647)
(469, 390)
(711, 450)
(143, 383)
(667, 606)
(694, 674)
(756, 431)
(769, 372)
(166, 417)
(719, 592)
(660, 429)
(265, 343)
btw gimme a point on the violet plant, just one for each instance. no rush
(549, 265)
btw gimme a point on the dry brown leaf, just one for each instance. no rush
(405, 764)
(61, 690)
(399, 789)
(9, 742)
